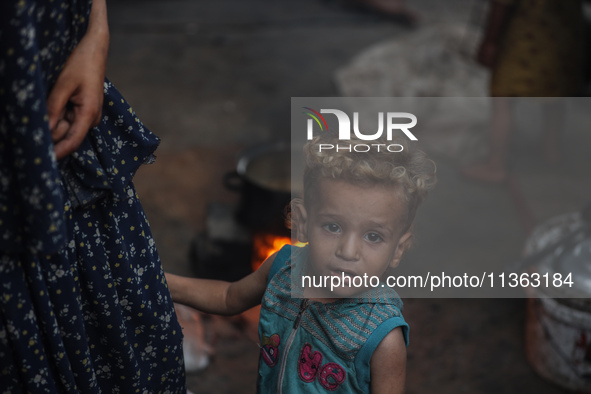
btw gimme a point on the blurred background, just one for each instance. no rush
(214, 79)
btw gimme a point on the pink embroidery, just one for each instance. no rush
(309, 364)
(331, 376)
(270, 349)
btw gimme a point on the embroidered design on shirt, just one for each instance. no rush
(270, 349)
(330, 375)
(309, 364)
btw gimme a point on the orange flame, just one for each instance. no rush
(264, 245)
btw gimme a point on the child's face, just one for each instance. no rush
(355, 230)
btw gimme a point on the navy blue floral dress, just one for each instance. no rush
(84, 305)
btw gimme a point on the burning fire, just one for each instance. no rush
(265, 245)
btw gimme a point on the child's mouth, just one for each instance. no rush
(345, 274)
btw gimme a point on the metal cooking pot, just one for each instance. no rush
(263, 179)
(558, 324)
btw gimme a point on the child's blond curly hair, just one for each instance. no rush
(409, 170)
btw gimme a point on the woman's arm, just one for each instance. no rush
(219, 297)
(388, 365)
(75, 102)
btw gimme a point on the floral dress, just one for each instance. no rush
(84, 306)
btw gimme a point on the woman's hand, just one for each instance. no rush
(498, 18)
(74, 104)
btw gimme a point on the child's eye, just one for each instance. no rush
(373, 237)
(332, 228)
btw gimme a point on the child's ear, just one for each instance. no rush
(403, 245)
(300, 215)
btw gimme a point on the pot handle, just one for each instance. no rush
(233, 181)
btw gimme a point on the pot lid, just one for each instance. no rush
(564, 246)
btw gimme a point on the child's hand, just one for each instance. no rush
(172, 283)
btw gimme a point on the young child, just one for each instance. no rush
(356, 216)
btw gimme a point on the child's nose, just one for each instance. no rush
(348, 248)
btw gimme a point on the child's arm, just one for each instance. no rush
(388, 365)
(219, 297)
